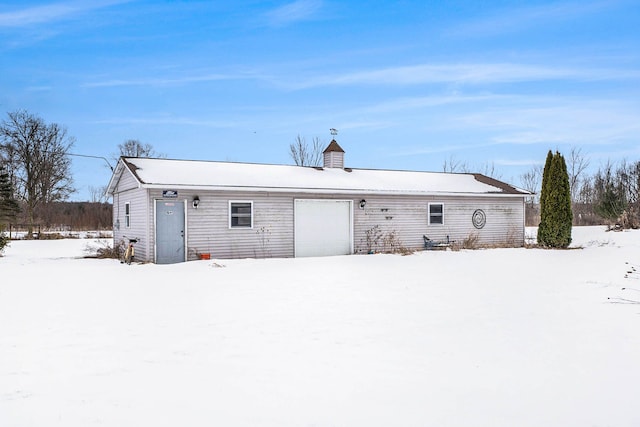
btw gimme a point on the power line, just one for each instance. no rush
(95, 157)
(85, 155)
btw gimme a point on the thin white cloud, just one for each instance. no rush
(168, 121)
(518, 162)
(51, 13)
(155, 81)
(560, 122)
(527, 17)
(469, 73)
(422, 102)
(166, 81)
(510, 121)
(293, 12)
(39, 88)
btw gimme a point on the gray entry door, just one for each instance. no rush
(169, 231)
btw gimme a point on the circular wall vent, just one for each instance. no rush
(479, 218)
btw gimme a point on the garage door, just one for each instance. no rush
(322, 227)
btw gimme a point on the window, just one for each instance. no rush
(436, 213)
(127, 215)
(240, 214)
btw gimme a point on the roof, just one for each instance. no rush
(333, 146)
(212, 175)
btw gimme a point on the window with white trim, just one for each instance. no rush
(240, 214)
(436, 213)
(127, 215)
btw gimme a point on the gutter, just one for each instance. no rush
(327, 191)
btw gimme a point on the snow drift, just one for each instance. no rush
(497, 337)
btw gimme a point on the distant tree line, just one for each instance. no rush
(66, 216)
(609, 196)
(34, 155)
(36, 180)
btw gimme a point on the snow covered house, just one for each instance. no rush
(182, 210)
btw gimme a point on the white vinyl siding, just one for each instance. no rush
(132, 201)
(408, 219)
(240, 214)
(272, 234)
(208, 231)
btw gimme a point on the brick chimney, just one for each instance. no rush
(333, 156)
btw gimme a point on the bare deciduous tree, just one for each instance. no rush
(489, 169)
(305, 155)
(531, 179)
(135, 148)
(98, 194)
(577, 164)
(37, 158)
(454, 165)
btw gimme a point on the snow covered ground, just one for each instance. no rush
(497, 337)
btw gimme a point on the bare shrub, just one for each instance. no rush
(376, 241)
(104, 250)
(4, 242)
(50, 236)
(393, 245)
(472, 241)
(372, 238)
(511, 240)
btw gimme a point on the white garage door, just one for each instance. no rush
(322, 227)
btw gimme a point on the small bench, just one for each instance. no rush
(430, 244)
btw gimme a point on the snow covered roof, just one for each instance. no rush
(213, 175)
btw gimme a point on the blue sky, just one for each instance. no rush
(408, 84)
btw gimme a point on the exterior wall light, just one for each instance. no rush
(195, 202)
(363, 203)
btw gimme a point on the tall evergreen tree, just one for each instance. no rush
(555, 204)
(8, 207)
(8, 204)
(544, 191)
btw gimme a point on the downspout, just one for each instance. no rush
(524, 221)
(149, 226)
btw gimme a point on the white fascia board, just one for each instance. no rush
(115, 177)
(354, 192)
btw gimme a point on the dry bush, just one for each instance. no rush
(99, 235)
(511, 241)
(472, 241)
(50, 236)
(393, 245)
(4, 242)
(372, 239)
(104, 250)
(377, 241)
